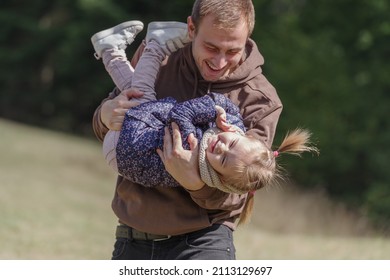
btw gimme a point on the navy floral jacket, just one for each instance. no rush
(143, 132)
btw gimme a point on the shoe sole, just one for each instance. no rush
(107, 32)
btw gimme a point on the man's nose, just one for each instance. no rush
(220, 61)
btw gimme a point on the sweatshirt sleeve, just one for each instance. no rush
(265, 127)
(213, 199)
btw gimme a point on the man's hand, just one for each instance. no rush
(113, 111)
(181, 164)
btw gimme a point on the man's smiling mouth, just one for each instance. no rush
(213, 68)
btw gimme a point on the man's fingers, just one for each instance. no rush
(128, 98)
(193, 141)
(126, 104)
(167, 142)
(116, 124)
(161, 154)
(177, 141)
(120, 112)
(132, 93)
(180, 163)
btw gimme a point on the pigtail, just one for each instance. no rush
(296, 142)
(266, 171)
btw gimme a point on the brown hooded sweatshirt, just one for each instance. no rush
(173, 211)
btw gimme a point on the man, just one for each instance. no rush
(193, 221)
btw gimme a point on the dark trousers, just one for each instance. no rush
(212, 243)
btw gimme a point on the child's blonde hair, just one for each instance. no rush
(264, 170)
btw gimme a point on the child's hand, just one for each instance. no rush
(221, 120)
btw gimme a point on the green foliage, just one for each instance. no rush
(326, 58)
(327, 61)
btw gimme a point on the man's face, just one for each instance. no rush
(217, 52)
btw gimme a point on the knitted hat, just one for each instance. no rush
(207, 173)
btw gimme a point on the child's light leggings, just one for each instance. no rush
(143, 78)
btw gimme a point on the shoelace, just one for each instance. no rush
(130, 34)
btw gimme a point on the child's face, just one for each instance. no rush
(226, 149)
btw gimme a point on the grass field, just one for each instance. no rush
(55, 204)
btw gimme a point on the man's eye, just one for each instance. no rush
(233, 52)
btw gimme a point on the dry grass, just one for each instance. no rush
(55, 204)
(290, 224)
(56, 195)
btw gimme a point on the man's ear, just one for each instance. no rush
(191, 28)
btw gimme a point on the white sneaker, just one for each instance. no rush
(118, 36)
(171, 35)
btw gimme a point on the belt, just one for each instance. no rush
(123, 231)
